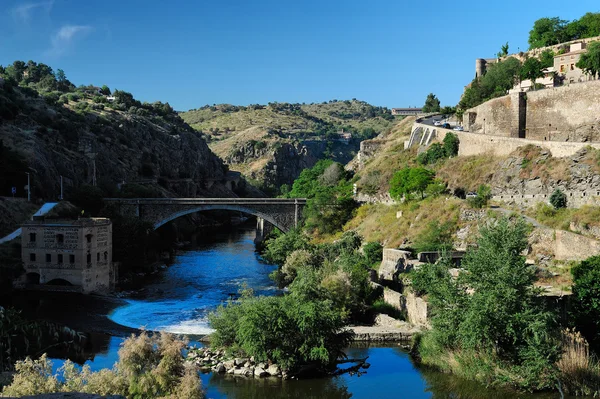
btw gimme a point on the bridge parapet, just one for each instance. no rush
(284, 214)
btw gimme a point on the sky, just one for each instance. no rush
(195, 52)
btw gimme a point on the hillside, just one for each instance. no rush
(271, 144)
(51, 128)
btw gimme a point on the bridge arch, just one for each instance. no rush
(224, 207)
(60, 281)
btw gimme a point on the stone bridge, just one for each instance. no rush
(282, 213)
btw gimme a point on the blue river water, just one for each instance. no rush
(181, 297)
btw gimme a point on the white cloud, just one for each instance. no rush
(23, 12)
(64, 38)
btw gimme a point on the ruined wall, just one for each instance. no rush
(563, 245)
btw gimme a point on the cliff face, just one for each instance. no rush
(281, 161)
(124, 145)
(272, 144)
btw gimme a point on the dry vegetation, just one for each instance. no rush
(468, 172)
(380, 222)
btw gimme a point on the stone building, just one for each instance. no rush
(566, 64)
(73, 255)
(407, 111)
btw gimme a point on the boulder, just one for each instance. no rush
(274, 370)
(219, 368)
(229, 364)
(244, 371)
(260, 372)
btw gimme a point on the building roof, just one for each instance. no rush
(407, 109)
(81, 222)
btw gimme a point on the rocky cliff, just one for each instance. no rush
(272, 144)
(86, 138)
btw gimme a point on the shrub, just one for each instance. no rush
(451, 145)
(373, 252)
(290, 330)
(148, 366)
(586, 299)
(489, 323)
(484, 193)
(558, 199)
(436, 237)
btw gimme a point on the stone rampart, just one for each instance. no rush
(568, 113)
(574, 199)
(477, 144)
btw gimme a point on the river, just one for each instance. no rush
(179, 299)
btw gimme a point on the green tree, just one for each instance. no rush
(498, 80)
(586, 299)
(451, 144)
(407, 181)
(590, 60)
(492, 311)
(277, 249)
(105, 90)
(296, 329)
(558, 199)
(503, 50)
(432, 103)
(60, 75)
(547, 32)
(547, 58)
(532, 70)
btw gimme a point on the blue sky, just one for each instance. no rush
(195, 52)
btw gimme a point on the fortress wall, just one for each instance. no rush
(562, 114)
(565, 113)
(492, 117)
(477, 144)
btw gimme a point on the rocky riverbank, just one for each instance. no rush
(217, 361)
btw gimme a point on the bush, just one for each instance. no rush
(436, 237)
(373, 252)
(148, 367)
(489, 323)
(586, 299)
(484, 193)
(558, 199)
(451, 145)
(291, 330)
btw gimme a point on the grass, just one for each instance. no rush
(579, 369)
(378, 222)
(582, 220)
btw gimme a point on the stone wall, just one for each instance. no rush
(394, 262)
(564, 245)
(568, 113)
(574, 199)
(477, 144)
(563, 114)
